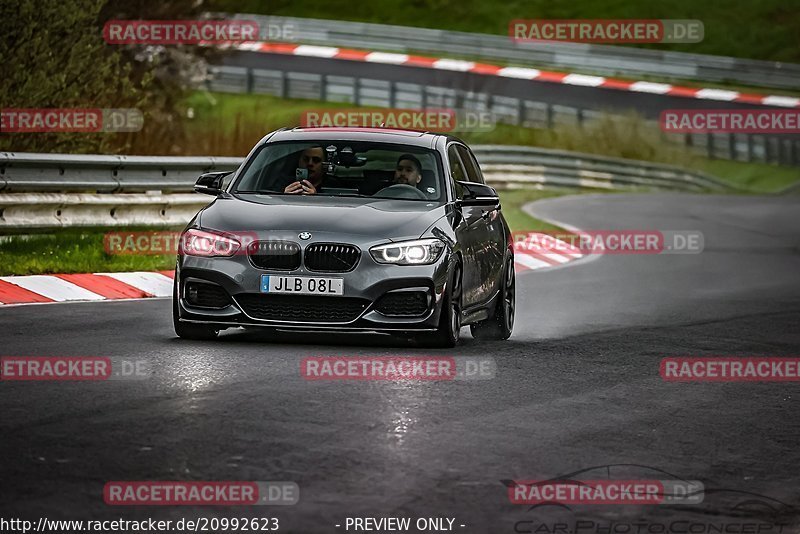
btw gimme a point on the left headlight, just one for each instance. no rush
(418, 252)
(207, 244)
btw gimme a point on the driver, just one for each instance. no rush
(408, 170)
(311, 161)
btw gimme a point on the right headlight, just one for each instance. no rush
(417, 252)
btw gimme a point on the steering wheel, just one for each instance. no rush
(401, 191)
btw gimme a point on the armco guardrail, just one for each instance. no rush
(30, 211)
(601, 59)
(39, 191)
(511, 166)
(28, 172)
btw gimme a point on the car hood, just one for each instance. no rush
(378, 219)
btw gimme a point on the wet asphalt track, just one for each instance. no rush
(577, 386)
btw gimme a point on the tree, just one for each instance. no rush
(53, 56)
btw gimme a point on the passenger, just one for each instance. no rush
(311, 160)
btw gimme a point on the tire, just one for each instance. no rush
(194, 331)
(500, 326)
(448, 332)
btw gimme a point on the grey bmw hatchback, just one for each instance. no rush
(349, 230)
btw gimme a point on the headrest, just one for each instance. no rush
(428, 184)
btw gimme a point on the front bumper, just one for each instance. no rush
(369, 281)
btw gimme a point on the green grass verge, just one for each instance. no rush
(753, 177)
(512, 201)
(72, 251)
(757, 29)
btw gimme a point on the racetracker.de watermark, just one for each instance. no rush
(607, 30)
(581, 242)
(423, 368)
(42, 120)
(193, 242)
(172, 32)
(434, 120)
(730, 121)
(150, 243)
(72, 368)
(201, 493)
(730, 369)
(606, 491)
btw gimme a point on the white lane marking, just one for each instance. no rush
(454, 64)
(250, 45)
(316, 51)
(716, 94)
(547, 245)
(52, 287)
(385, 57)
(519, 72)
(541, 253)
(783, 101)
(582, 79)
(650, 87)
(556, 257)
(83, 301)
(155, 284)
(530, 262)
(566, 249)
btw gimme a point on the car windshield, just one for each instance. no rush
(344, 168)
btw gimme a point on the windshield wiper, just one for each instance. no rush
(260, 192)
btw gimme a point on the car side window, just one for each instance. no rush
(470, 164)
(456, 171)
(456, 167)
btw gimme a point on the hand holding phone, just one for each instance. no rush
(308, 188)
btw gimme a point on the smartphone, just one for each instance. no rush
(301, 174)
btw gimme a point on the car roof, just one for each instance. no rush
(378, 135)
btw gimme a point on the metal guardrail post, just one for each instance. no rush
(732, 146)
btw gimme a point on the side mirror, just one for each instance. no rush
(210, 183)
(476, 194)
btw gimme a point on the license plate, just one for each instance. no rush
(302, 285)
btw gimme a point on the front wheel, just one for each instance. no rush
(188, 330)
(499, 326)
(449, 329)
